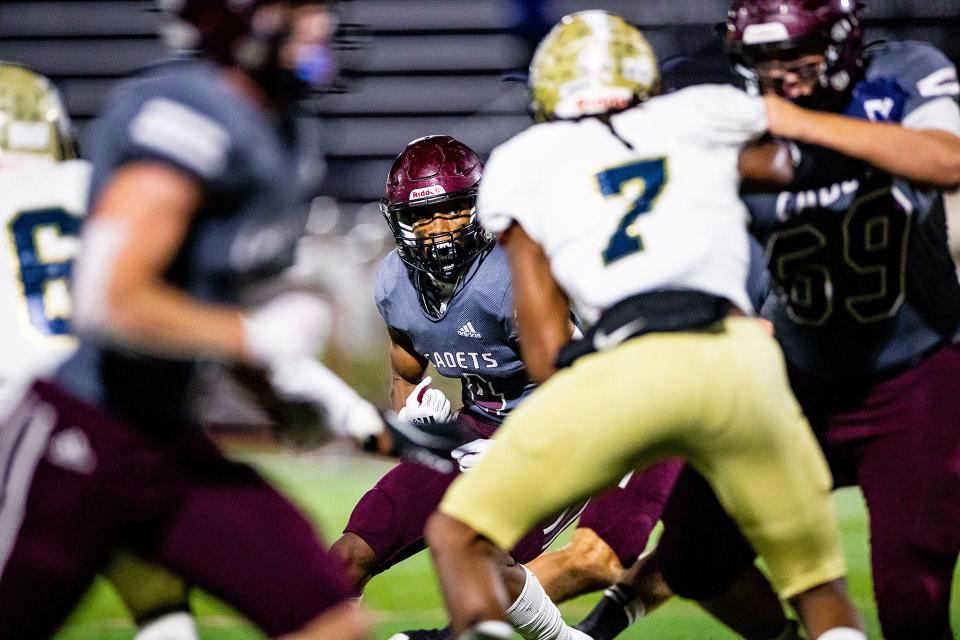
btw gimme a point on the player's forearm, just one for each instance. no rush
(927, 156)
(400, 389)
(162, 320)
(539, 349)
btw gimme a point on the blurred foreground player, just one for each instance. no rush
(655, 258)
(865, 304)
(446, 298)
(43, 198)
(195, 194)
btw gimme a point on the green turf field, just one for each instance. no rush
(406, 597)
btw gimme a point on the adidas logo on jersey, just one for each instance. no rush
(467, 331)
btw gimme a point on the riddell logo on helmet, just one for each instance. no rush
(426, 192)
(765, 33)
(603, 103)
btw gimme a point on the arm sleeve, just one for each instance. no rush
(506, 191)
(726, 115)
(168, 129)
(381, 295)
(911, 83)
(932, 90)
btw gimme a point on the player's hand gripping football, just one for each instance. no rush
(425, 406)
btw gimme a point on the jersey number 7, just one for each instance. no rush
(647, 179)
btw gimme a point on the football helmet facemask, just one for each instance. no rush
(430, 206)
(591, 63)
(814, 43)
(33, 122)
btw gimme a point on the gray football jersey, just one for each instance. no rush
(474, 341)
(255, 174)
(862, 277)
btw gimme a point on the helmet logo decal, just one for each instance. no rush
(765, 33)
(426, 192)
(28, 135)
(639, 69)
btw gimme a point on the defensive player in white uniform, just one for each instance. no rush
(633, 216)
(43, 198)
(43, 194)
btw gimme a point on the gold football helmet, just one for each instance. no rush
(33, 121)
(591, 62)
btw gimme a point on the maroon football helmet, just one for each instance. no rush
(435, 171)
(236, 33)
(760, 33)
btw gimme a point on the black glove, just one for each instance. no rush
(428, 444)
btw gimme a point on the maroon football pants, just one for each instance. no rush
(899, 439)
(77, 484)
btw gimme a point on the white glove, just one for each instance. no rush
(468, 455)
(292, 324)
(306, 379)
(425, 405)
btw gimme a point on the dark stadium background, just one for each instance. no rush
(428, 65)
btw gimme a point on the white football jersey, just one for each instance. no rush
(41, 206)
(649, 203)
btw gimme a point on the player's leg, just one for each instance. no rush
(157, 599)
(612, 533)
(910, 477)
(387, 524)
(911, 582)
(640, 590)
(237, 538)
(54, 532)
(585, 564)
(343, 621)
(701, 556)
(544, 459)
(704, 557)
(767, 471)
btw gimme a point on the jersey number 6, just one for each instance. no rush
(644, 179)
(45, 240)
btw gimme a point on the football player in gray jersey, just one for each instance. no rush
(446, 298)
(196, 185)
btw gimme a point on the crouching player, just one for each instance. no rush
(446, 298)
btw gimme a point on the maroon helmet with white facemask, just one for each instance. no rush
(434, 171)
(766, 38)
